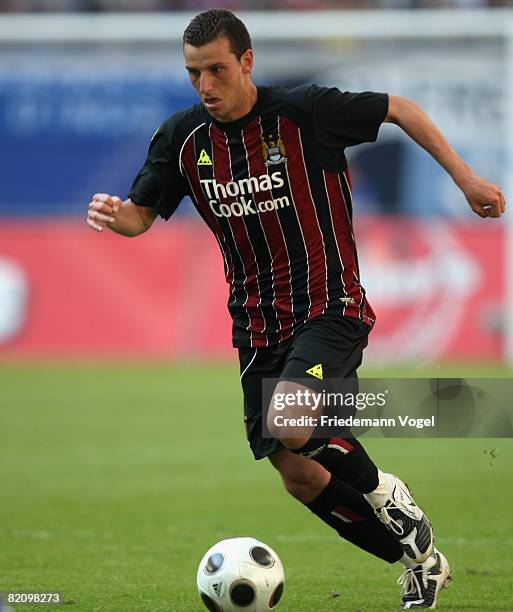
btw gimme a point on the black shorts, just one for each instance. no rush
(335, 341)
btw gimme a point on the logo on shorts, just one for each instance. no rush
(273, 150)
(316, 371)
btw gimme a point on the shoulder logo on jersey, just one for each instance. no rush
(316, 371)
(204, 159)
(273, 150)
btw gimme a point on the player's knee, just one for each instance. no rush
(289, 439)
(287, 420)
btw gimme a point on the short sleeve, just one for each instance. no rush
(159, 184)
(344, 119)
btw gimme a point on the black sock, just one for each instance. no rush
(347, 460)
(346, 510)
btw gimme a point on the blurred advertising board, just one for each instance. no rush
(65, 291)
(74, 116)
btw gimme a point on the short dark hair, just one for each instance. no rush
(209, 25)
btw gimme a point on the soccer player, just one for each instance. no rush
(266, 170)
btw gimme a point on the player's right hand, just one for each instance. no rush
(485, 198)
(101, 211)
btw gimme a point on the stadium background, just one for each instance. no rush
(115, 354)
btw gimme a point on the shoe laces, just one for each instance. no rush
(389, 521)
(410, 583)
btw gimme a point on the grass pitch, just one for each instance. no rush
(114, 480)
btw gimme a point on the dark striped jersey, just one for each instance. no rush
(275, 190)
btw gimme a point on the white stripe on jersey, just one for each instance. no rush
(235, 242)
(180, 166)
(302, 237)
(360, 307)
(316, 217)
(284, 242)
(335, 238)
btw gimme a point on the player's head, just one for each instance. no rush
(219, 59)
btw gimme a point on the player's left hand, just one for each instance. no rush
(485, 198)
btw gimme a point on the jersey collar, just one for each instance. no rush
(241, 123)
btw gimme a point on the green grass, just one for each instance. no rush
(114, 480)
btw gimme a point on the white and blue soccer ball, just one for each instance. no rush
(240, 574)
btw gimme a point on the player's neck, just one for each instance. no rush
(249, 97)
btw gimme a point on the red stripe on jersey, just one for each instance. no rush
(307, 217)
(223, 174)
(345, 241)
(367, 313)
(191, 172)
(271, 227)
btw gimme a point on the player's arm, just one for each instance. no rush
(485, 198)
(124, 218)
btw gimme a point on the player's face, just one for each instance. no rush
(220, 78)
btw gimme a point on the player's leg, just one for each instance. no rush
(390, 498)
(339, 505)
(336, 344)
(321, 492)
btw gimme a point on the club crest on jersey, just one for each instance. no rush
(273, 150)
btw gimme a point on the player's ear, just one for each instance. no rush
(246, 60)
